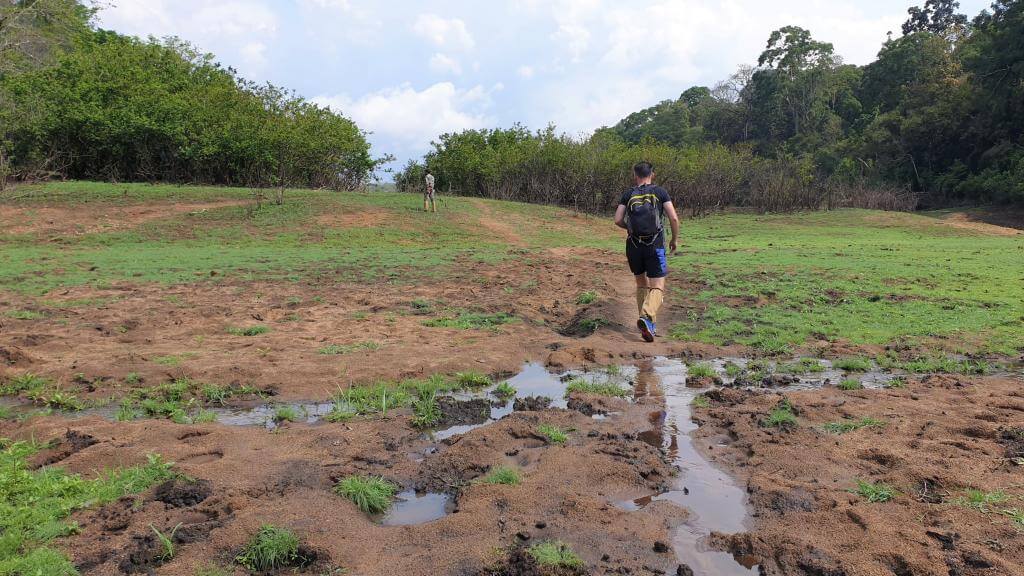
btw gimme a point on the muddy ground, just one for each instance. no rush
(943, 435)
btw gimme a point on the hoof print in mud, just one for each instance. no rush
(459, 412)
(179, 493)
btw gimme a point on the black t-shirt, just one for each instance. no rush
(660, 193)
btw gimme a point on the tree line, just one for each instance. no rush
(80, 102)
(936, 119)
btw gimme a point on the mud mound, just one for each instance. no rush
(460, 412)
(703, 381)
(144, 553)
(1012, 440)
(13, 357)
(72, 442)
(531, 404)
(182, 493)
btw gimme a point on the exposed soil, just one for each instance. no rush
(943, 435)
(87, 218)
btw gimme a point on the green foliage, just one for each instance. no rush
(981, 500)
(339, 349)
(472, 380)
(801, 366)
(701, 401)
(853, 364)
(198, 120)
(371, 494)
(249, 331)
(471, 321)
(167, 546)
(426, 411)
(701, 370)
(850, 384)
(874, 492)
(269, 549)
(502, 475)
(286, 413)
(555, 554)
(553, 434)
(585, 298)
(581, 385)
(24, 314)
(37, 503)
(852, 425)
(504, 390)
(782, 416)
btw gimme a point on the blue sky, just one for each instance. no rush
(409, 70)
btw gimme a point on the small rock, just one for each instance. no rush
(541, 524)
(660, 547)
(684, 570)
(523, 535)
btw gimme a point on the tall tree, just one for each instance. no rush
(936, 16)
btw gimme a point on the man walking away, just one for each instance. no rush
(428, 195)
(641, 212)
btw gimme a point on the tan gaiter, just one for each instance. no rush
(641, 296)
(652, 303)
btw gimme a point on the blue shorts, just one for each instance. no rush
(647, 259)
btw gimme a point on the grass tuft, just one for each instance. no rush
(852, 425)
(555, 554)
(553, 434)
(853, 364)
(249, 331)
(585, 298)
(286, 413)
(340, 349)
(701, 370)
(581, 385)
(504, 390)
(801, 366)
(371, 494)
(471, 321)
(701, 401)
(850, 384)
(980, 500)
(269, 549)
(502, 475)
(874, 492)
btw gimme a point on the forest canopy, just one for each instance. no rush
(936, 119)
(80, 102)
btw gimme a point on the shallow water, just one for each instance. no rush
(411, 508)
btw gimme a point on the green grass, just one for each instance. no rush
(471, 321)
(426, 411)
(897, 382)
(24, 383)
(167, 546)
(504, 390)
(701, 370)
(585, 298)
(286, 413)
(982, 501)
(869, 277)
(801, 366)
(502, 475)
(24, 314)
(874, 492)
(36, 505)
(248, 331)
(553, 434)
(472, 380)
(852, 364)
(1016, 515)
(555, 554)
(271, 548)
(339, 349)
(852, 425)
(782, 416)
(583, 386)
(701, 401)
(213, 571)
(371, 494)
(850, 384)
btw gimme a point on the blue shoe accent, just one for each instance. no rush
(646, 329)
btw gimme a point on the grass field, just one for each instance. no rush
(769, 282)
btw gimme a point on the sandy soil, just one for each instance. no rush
(944, 435)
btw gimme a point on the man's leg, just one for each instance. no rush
(426, 200)
(641, 293)
(655, 297)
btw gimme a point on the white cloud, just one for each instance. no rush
(444, 64)
(525, 71)
(412, 118)
(443, 32)
(254, 54)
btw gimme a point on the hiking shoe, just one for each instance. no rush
(646, 329)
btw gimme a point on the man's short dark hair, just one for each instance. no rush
(643, 169)
(428, 171)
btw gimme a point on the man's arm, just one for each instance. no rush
(620, 216)
(673, 219)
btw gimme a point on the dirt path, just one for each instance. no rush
(501, 229)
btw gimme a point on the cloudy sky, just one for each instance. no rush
(409, 70)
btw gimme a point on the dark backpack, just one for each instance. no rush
(643, 213)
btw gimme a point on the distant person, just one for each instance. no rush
(642, 212)
(428, 193)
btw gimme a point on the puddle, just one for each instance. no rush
(715, 501)
(411, 508)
